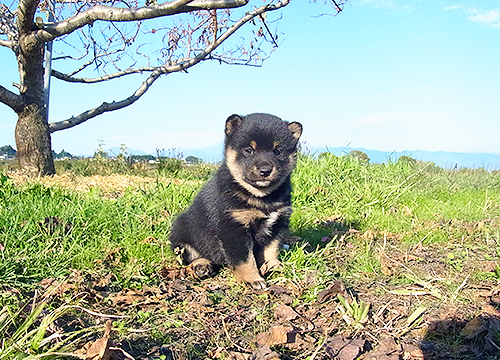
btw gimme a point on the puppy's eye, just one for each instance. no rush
(248, 151)
(277, 152)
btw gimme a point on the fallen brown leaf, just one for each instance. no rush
(412, 352)
(264, 353)
(54, 286)
(276, 335)
(99, 350)
(474, 327)
(285, 313)
(127, 298)
(172, 273)
(387, 349)
(385, 263)
(339, 347)
(337, 287)
(148, 240)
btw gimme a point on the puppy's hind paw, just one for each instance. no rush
(202, 268)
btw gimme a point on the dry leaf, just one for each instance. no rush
(284, 312)
(337, 287)
(99, 350)
(387, 349)
(148, 240)
(342, 348)
(127, 298)
(412, 352)
(474, 327)
(277, 335)
(385, 263)
(264, 353)
(172, 273)
(52, 285)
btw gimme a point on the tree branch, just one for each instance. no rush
(108, 13)
(12, 100)
(6, 43)
(106, 107)
(69, 78)
(8, 27)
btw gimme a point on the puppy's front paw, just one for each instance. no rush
(269, 265)
(259, 284)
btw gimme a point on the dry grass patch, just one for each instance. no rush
(114, 185)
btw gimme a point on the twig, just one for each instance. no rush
(126, 354)
(320, 346)
(232, 342)
(455, 294)
(269, 31)
(101, 315)
(41, 356)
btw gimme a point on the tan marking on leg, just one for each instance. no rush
(248, 272)
(270, 257)
(271, 251)
(247, 216)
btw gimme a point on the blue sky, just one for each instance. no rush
(387, 75)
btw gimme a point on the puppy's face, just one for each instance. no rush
(261, 151)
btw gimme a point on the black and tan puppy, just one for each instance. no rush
(240, 216)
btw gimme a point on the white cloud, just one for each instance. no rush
(490, 18)
(453, 7)
(395, 6)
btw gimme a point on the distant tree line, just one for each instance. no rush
(9, 151)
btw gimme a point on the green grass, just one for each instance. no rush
(394, 197)
(360, 206)
(90, 229)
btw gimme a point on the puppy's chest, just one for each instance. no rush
(259, 216)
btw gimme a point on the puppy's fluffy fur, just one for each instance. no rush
(240, 216)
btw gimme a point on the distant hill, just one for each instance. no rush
(444, 159)
(209, 154)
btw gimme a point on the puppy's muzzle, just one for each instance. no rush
(265, 170)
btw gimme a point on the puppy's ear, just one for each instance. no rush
(232, 123)
(296, 129)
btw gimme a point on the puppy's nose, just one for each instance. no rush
(265, 171)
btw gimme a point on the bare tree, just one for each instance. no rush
(102, 40)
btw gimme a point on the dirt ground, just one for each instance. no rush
(184, 318)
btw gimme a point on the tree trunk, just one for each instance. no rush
(34, 149)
